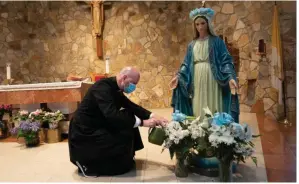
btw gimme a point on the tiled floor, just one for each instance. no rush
(50, 162)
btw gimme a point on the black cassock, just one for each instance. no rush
(101, 135)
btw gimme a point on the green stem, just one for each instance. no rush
(225, 171)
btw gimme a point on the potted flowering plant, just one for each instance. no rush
(29, 130)
(52, 119)
(21, 116)
(37, 115)
(231, 142)
(217, 134)
(182, 136)
(5, 109)
(3, 124)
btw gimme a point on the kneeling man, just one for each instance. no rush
(103, 134)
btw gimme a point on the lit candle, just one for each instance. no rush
(8, 72)
(107, 65)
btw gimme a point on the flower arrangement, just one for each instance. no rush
(21, 116)
(182, 136)
(47, 119)
(53, 118)
(29, 130)
(231, 142)
(3, 125)
(5, 109)
(217, 134)
(36, 115)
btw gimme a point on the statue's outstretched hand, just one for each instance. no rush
(173, 83)
(233, 86)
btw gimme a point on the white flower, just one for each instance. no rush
(205, 124)
(207, 111)
(23, 112)
(171, 137)
(196, 120)
(167, 143)
(185, 133)
(214, 128)
(227, 132)
(196, 130)
(228, 140)
(175, 132)
(214, 138)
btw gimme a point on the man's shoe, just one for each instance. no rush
(83, 171)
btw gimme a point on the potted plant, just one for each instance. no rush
(53, 134)
(181, 140)
(5, 109)
(218, 134)
(231, 142)
(4, 123)
(29, 131)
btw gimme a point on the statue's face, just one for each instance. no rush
(201, 25)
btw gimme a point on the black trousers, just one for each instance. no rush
(109, 166)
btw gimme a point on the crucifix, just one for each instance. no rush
(97, 12)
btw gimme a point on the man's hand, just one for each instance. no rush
(152, 122)
(160, 120)
(233, 86)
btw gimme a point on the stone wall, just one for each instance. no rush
(46, 41)
(288, 25)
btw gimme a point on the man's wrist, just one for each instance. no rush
(141, 123)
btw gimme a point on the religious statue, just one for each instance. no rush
(207, 76)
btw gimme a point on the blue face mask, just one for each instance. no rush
(130, 88)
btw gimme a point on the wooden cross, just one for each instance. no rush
(97, 12)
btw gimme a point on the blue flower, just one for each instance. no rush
(14, 131)
(222, 119)
(237, 130)
(29, 126)
(177, 116)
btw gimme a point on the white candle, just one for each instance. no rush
(8, 72)
(107, 65)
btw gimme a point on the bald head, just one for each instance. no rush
(128, 75)
(132, 73)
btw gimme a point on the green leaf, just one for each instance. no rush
(251, 144)
(255, 136)
(201, 144)
(254, 159)
(185, 151)
(20, 134)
